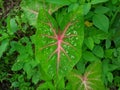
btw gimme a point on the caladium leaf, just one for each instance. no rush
(91, 80)
(58, 49)
(31, 9)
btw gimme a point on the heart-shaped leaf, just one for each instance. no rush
(91, 80)
(59, 50)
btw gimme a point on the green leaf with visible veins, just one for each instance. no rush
(91, 80)
(31, 9)
(59, 49)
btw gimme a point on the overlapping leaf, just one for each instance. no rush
(91, 80)
(31, 9)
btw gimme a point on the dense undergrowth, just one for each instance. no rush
(59, 44)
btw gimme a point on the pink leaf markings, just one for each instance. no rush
(59, 42)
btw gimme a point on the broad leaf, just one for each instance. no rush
(98, 51)
(87, 7)
(101, 22)
(11, 26)
(107, 43)
(58, 49)
(17, 66)
(110, 77)
(3, 46)
(101, 10)
(91, 80)
(46, 86)
(89, 56)
(89, 43)
(98, 1)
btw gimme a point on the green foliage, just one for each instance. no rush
(91, 79)
(98, 20)
(60, 45)
(46, 51)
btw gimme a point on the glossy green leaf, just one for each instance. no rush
(81, 66)
(101, 10)
(46, 85)
(3, 35)
(36, 77)
(110, 77)
(97, 35)
(73, 7)
(89, 43)
(91, 80)
(89, 56)
(58, 50)
(3, 46)
(98, 1)
(60, 84)
(11, 26)
(87, 7)
(105, 65)
(107, 43)
(101, 22)
(98, 51)
(109, 53)
(17, 66)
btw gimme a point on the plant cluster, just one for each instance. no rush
(60, 45)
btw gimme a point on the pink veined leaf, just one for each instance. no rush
(59, 51)
(90, 80)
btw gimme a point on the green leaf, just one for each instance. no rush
(3, 46)
(114, 1)
(31, 9)
(36, 77)
(97, 35)
(101, 10)
(109, 53)
(17, 66)
(90, 80)
(15, 84)
(98, 1)
(105, 65)
(81, 66)
(107, 43)
(54, 57)
(87, 7)
(89, 56)
(72, 7)
(89, 43)
(60, 84)
(101, 22)
(98, 51)
(11, 26)
(3, 35)
(46, 85)
(27, 68)
(110, 77)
